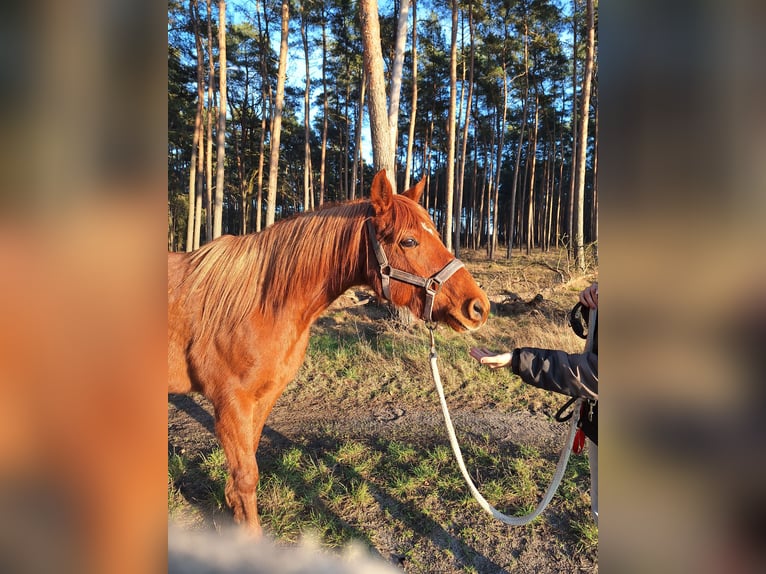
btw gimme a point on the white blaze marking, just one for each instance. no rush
(425, 226)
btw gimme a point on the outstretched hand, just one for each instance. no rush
(490, 358)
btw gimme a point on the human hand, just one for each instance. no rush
(491, 359)
(589, 296)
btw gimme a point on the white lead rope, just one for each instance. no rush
(560, 467)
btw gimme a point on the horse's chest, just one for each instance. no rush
(281, 355)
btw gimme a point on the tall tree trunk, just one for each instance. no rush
(266, 99)
(573, 172)
(542, 220)
(515, 182)
(194, 171)
(451, 128)
(427, 157)
(396, 73)
(549, 195)
(583, 136)
(594, 211)
(232, 219)
(382, 151)
(323, 165)
(480, 202)
(220, 153)
(347, 143)
(358, 141)
(414, 104)
(498, 166)
(532, 170)
(276, 123)
(489, 181)
(239, 165)
(466, 124)
(211, 106)
(307, 188)
(474, 203)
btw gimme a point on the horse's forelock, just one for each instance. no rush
(407, 215)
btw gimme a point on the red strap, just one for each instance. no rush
(579, 442)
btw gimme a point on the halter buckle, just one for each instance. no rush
(430, 282)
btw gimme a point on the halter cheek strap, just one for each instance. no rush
(430, 284)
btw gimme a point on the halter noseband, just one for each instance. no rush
(431, 284)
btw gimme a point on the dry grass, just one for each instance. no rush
(400, 492)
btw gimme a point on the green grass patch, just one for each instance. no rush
(394, 491)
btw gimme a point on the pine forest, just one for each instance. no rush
(279, 106)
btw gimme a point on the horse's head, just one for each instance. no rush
(415, 269)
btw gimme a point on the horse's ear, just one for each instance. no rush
(381, 194)
(416, 191)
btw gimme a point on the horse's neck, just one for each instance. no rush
(334, 275)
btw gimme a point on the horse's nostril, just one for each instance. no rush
(477, 310)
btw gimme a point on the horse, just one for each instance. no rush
(240, 308)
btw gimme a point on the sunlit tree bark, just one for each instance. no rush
(211, 106)
(450, 167)
(276, 122)
(382, 151)
(583, 136)
(414, 104)
(323, 164)
(396, 72)
(464, 141)
(194, 170)
(307, 187)
(220, 154)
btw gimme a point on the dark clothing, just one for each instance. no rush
(557, 371)
(575, 375)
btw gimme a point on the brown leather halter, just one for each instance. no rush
(431, 284)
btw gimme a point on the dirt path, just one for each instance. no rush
(526, 549)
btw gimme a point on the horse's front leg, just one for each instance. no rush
(234, 427)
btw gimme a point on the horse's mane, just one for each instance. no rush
(235, 275)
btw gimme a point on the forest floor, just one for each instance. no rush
(356, 451)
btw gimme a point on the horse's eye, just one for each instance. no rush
(409, 242)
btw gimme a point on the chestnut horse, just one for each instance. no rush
(240, 308)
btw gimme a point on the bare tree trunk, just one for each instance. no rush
(414, 105)
(211, 106)
(347, 143)
(549, 195)
(583, 136)
(358, 140)
(220, 153)
(265, 104)
(489, 180)
(382, 151)
(276, 122)
(480, 202)
(475, 204)
(451, 128)
(498, 166)
(557, 224)
(427, 160)
(193, 171)
(532, 169)
(466, 124)
(307, 188)
(240, 166)
(570, 213)
(396, 72)
(323, 166)
(514, 184)
(594, 211)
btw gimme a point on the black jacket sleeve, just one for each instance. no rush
(575, 375)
